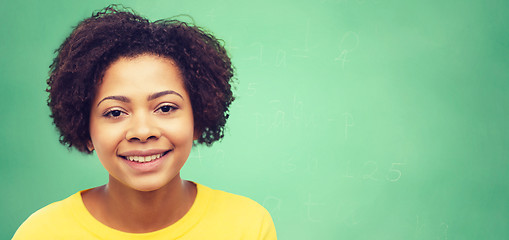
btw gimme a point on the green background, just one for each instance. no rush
(354, 119)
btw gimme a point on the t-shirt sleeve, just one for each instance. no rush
(35, 227)
(267, 230)
(50, 222)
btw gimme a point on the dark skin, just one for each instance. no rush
(123, 208)
(141, 110)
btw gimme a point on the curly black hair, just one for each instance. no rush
(116, 32)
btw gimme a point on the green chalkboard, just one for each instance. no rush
(354, 119)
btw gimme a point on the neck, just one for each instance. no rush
(130, 210)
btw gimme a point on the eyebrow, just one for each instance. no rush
(118, 98)
(160, 94)
(149, 98)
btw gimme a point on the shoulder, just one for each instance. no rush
(232, 202)
(233, 211)
(46, 221)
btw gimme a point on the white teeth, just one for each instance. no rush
(143, 158)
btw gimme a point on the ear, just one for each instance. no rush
(90, 146)
(197, 134)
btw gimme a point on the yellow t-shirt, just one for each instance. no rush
(214, 215)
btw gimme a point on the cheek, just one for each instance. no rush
(105, 138)
(181, 133)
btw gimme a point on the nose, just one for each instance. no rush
(142, 128)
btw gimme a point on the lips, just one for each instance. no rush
(143, 156)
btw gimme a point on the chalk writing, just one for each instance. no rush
(348, 123)
(196, 154)
(444, 229)
(279, 116)
(310, 206)
(230, 45)
(348, 170)
(419, 226)
(348, 44)
(281, 58)
(297, 108)
(394, 173)
(219, 157)
(312, 165)
(279, 120)
(289, 165)
(342, 57)
(371, 170)
(251, 89)
(303, 52)
(438, 231)
(259, 56)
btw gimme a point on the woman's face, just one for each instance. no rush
(141, 122)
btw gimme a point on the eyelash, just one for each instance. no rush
(111, 113)
(171, 108)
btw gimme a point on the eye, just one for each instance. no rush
(115, 113)
(166, 108)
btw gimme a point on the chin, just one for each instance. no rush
(149, 185)
(147, 189)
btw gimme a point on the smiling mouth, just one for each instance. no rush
(144, 159)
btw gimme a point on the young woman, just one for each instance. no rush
(140, 94)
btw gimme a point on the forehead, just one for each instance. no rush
(141, 74)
